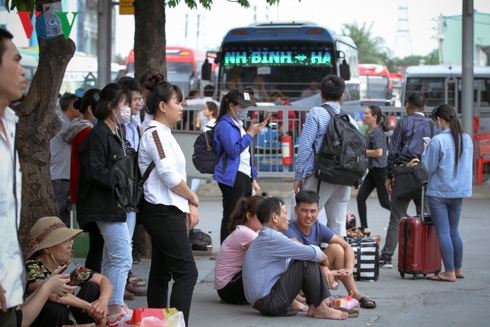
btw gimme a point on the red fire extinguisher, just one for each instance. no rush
(287, 149)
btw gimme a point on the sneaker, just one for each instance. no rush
(385, 263)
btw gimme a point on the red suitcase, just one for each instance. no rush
(418, 247)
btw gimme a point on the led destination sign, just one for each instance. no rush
(278, 58)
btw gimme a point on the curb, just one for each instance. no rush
(283, 189)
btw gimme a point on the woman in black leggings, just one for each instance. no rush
(376, 152)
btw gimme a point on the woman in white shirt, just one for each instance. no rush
(170, 207)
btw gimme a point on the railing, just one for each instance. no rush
(266, 149)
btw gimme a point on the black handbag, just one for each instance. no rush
(408, 181)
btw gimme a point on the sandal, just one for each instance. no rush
(137, 282)
(364, 302)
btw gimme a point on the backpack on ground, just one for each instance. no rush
(199, 240)
(204, 157)
(342, 157)
(128, 189)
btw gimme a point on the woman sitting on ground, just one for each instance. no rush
(243, 229)
(50, 248)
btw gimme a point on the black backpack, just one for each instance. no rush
(204, 157)
(342, 157)
(128, 189)
(199, 240)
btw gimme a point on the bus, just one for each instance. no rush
(183, 67)
(375, 82)
(289, 57)
(81, 74)
(442, 84)
(29, 63)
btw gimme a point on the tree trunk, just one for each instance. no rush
(149, 56)
(149, 37)
(38, 124)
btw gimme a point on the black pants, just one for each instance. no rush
(375, 179)
(95, 251)
(62, 193)
(10, 318)
(56, 315)
(305, 275)
(233, 291)
(171, 257)
(231, 195)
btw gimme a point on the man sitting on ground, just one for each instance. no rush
(307, 230)
(276, 268)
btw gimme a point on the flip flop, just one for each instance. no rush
(438, 279)
(364, 303)
(353, 313)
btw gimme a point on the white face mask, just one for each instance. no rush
(241, 114)
(124, 115)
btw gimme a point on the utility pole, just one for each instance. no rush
(467, 67)
(197, 32)
(255, 13)
(104, 28)
(185, 31)
(440, 37)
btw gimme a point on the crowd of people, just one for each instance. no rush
(277, 266)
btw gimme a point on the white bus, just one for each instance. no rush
(442, 84)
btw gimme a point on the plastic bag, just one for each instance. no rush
(347, 302)
(176, 320)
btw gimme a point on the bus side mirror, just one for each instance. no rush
(344, 70)
(206, 71)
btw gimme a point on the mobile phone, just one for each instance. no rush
(70, 269)
(426, 139)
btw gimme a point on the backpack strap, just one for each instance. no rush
(150, 166)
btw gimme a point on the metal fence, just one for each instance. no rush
(267, 148)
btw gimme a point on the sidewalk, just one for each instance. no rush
(400, 302)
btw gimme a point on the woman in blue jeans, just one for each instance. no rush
(448, 159)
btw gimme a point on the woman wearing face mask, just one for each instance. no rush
(75, 135)
(235, 173)
(97, 207)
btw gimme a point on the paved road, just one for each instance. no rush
(401, 302)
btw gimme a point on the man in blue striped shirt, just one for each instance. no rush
(334, 198)
(276, 268)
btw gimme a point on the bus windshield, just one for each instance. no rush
(374, 87)
(288, 67)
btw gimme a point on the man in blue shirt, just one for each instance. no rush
(406, 144)
(308, 231)
(333, 198)
(276, 268)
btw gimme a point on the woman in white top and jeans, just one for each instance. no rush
(170, 207)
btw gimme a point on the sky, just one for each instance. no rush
(214, 24)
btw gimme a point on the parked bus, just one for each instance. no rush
(183, 67)
(442, 84)
(290, 57)
(375, 82)
(81, 74)
(29, 63)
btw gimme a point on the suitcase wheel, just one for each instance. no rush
(425, 275)
(402, 275)
(414, 276)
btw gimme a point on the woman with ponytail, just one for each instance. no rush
(377, 159)
(243, 229)
(448, 159)
(169, 207)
